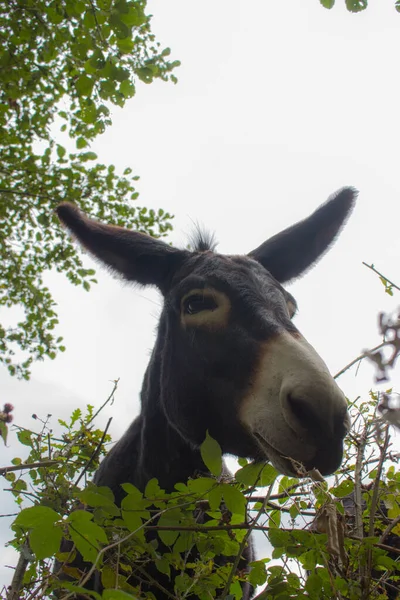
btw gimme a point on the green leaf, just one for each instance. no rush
(24, 437)
(132, 490)
(258, 474)
(117, 595)
(84, 85)
(172, 518)
(343, 489)
(294, 511)
(61, 151)
(356, 5)
(101, 496)
(108, 577)
(211, 454)
(385, 562)
(126, 45)
(3, 432)
(68, 585)
(85, 534)
(313, 583)
(201, 485)
(278, 537)
(153, 490)
(81, 143)
(327, 3)
(163, 565)
(127, 89)
(234, 499)
(215, 497)
(45, 540)
(132, 520)
(235, 591)
(37, 516)
(258, 573)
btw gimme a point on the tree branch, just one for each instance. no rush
(381, 275)
(35, 465)
(365, 354)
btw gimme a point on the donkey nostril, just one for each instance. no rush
(303, 413)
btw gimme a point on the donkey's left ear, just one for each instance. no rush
(291, 252)
(136, 256)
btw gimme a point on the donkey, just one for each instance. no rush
(227, 358)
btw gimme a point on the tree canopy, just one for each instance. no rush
(63, 64)
(355, 6)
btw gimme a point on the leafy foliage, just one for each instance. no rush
(327, 545)
(62, 63)
(354, 6)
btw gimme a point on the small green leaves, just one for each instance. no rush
(73, 62)
(351, 5)
(211, 454)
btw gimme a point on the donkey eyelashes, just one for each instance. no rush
(195, 303)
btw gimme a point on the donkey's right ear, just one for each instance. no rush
(136, 256)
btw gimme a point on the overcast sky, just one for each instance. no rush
(278, 105)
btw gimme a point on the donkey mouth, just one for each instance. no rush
(284, 464)
(325, 462)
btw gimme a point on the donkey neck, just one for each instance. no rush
(151, 447)
(164, 453)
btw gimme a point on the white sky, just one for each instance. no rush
(278, 105)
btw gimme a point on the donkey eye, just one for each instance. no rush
(197, 303)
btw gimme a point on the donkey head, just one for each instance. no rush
(231, 359)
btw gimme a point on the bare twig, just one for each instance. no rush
(95, 453)
(22, 467)
(388, 529)
(243, 544)
(109, 399)
(361, 444)
(365, 354)
(375, 493)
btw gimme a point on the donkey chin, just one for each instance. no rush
(295, 410)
